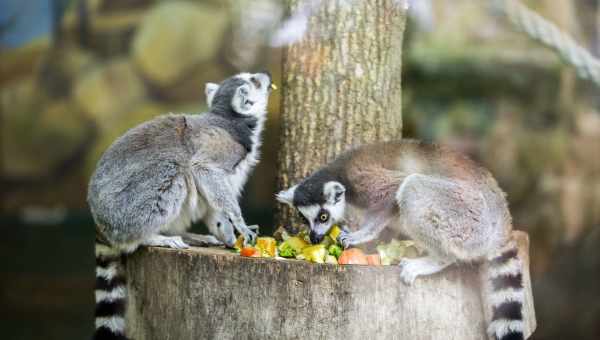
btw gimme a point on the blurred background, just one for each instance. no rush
(76, 74)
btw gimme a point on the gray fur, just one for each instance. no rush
(170, 171)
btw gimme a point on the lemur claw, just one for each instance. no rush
(345, 239)
(249, 237)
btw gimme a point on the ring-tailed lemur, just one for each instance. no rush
(162, 175)
(439, 198)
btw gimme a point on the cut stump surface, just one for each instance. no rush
(211, 293)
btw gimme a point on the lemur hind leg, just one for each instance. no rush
(198, 240)
(175, 242)
(428, 265)
(448, 218)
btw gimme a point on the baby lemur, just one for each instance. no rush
(441, 199)
(162, 175)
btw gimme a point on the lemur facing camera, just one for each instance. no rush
(441, 199)
(162, 175)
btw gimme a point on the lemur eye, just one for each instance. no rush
(324, 217)
(255, 81)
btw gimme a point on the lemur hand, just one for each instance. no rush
(346, 238)
(247, 232)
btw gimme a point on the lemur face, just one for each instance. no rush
(245, 93)
(320, 206)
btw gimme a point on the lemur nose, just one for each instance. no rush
(315, 238)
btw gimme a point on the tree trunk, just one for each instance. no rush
(214, 294)
(341, 85)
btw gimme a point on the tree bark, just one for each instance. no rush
(341, 85)
(214, 294)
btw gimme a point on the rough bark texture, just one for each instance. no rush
(214, 294)
(341, 85)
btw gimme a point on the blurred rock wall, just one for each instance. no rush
(115, 64)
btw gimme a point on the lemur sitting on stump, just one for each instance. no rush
(162, 175)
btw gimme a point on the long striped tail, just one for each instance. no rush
(111, 294)
(503, 294)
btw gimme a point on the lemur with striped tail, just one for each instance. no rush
(162, 175)
(450, 206)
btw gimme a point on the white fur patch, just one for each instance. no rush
(310, 211)
(499, 328)
(336, 211)
(287, 196)
(507, 295)
(109, 272)
(119, 292)
(115, 323)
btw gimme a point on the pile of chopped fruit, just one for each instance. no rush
(327, 251)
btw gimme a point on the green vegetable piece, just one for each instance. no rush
(286, 250)
(335, 250)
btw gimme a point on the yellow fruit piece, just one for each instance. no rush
(267, 246)
(297, 243)
(239, 243)
(334, 232)
(315, 253)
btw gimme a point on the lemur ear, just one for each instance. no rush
(287, 196)
(210, 89)
(333, 192)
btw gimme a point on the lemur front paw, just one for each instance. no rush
(248, 232)
(409, 271)
(249, 237)
(346, 239)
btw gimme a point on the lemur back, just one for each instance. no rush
(163, 175)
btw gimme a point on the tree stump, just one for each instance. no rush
(211, 293)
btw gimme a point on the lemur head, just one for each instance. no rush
(245, 94)
(321, 201)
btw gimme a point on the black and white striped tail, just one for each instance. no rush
(503, 280)
(111, 294)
